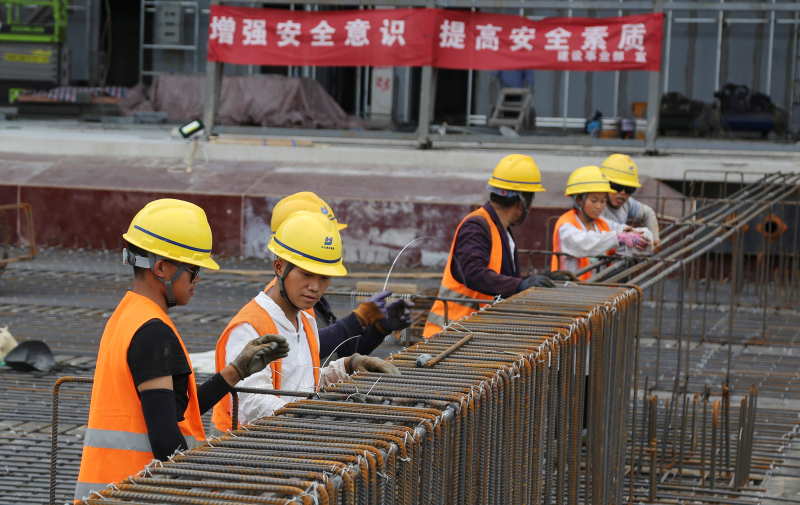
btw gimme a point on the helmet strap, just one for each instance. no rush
(525, 208)
(282, 287)
(575, 205)
(171, 302)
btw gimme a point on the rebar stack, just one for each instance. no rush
(498, 420)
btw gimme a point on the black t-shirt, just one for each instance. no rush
(155, 351)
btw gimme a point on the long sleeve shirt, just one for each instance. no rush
(472, 252)
(583, 243)
(634, 209)
(296, 370)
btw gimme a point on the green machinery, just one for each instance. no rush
(32, 54)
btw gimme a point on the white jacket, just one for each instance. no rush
(297, 370)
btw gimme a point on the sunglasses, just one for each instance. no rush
(619, 188)
(193, 272)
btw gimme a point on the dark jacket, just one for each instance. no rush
(333, 332)
(472, 253)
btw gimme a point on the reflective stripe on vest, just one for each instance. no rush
(571, 217)
(451, 288)
(116, 443)
(256, 316)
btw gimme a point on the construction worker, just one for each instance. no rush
(583, 234)
(483, 260)
(364, 329)
(623, 177)
(145, 403)
(308, 253)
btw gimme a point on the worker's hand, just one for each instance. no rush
(633, 239)
(359, 363)
(398, 316)
(259, 353)
(559, 276)
(373, 309)
(536, 281)
(656, 246)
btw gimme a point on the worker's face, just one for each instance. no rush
(595, 204)
(519, 211)
(303, 288)
(183, 287)
(618, 199)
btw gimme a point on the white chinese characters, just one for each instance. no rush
(452, 34)
(487, 37)
(254, 32)
(357, 33)
(632, 38)
(322, 34)
(223, 28)
(521, 38)
(557, 40)
(393, 32)
(288, 33)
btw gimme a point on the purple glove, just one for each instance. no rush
(379, 299)
(398, 316)
(633, 239)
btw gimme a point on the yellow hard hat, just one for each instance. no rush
(620, 169)
(517, 172)
(173, 229)
(305, 200)
(310, 241)
(588, 180)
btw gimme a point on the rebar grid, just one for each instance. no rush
(499, 419)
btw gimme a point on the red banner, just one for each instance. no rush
(457, 39)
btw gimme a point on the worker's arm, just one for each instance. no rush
(333, 372)
(582, 244)
(251, 406)
(472, 253)
(154, 357)
(364, 329)
(368, 338)
(645, 215)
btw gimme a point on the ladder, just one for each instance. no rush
(511, 108)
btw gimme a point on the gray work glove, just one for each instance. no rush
(259, 353)
(359, 363)
(397, 316)
(536, 281)
(562, 275)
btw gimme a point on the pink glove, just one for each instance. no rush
(633, 239)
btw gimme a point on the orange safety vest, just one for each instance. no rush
(451, 288)
(255, 315)
(272, 284)
(571, 217)
(116, 444)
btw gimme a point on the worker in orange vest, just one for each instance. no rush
(483, 260)
(364, 329)
(145, 404)
(308, 252)
(583, 234)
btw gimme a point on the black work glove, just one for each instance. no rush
(398, 316)
(359, 363)
(259, 353)
(536, 281)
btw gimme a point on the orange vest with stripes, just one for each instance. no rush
(451, 288)
(255, 315)
(571, 217)
(116, 444)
